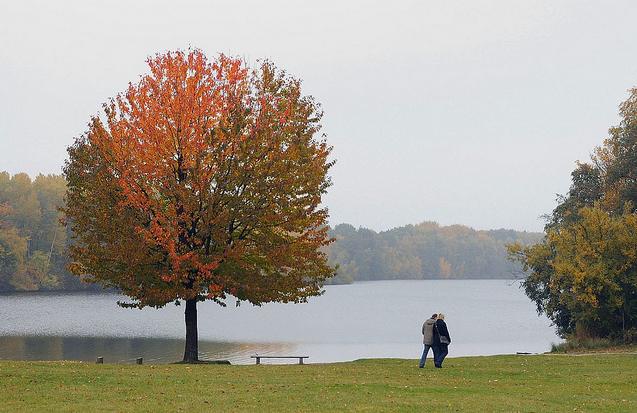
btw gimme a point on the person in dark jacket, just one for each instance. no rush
(441, 340)
(427, 338)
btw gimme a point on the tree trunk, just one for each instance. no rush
(191, 353)
(624, 319)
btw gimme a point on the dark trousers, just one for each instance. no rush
(440, 352)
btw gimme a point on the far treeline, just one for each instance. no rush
(424, 251)
(33, 242)
(33, 245)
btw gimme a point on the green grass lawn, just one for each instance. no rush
(546, 383)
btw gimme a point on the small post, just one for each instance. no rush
(100, 360)
(139, 360)
(300, 360)
(258, 360)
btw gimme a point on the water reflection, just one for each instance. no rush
(362, 320)
(126, 350)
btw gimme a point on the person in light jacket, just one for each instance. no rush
(441, 340)
(427, 338)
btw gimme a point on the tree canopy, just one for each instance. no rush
(202, 179)
(584, 273)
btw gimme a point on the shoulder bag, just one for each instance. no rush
(443, 339)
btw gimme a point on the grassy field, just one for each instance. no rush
(546, 383)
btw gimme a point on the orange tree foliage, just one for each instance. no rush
(202, 179)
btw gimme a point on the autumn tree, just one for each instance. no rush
(12, 250)
(202, 180)
(583, 275)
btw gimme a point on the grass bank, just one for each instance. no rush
(593, 345)
(596, 383)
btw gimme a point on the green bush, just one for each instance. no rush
(573, 344)
(630, 336)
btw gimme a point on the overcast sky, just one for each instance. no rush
(470, 112)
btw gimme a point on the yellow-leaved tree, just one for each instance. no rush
(583, 275)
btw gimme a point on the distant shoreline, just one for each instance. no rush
(111, 291)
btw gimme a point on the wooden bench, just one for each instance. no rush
(258, 358)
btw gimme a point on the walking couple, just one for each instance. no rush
(435, 336)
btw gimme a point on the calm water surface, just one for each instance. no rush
(362, 320)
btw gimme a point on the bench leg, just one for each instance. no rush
(300, 360)
(258, 360)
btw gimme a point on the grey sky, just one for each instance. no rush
(469, 112)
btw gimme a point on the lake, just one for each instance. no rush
(348, 322)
